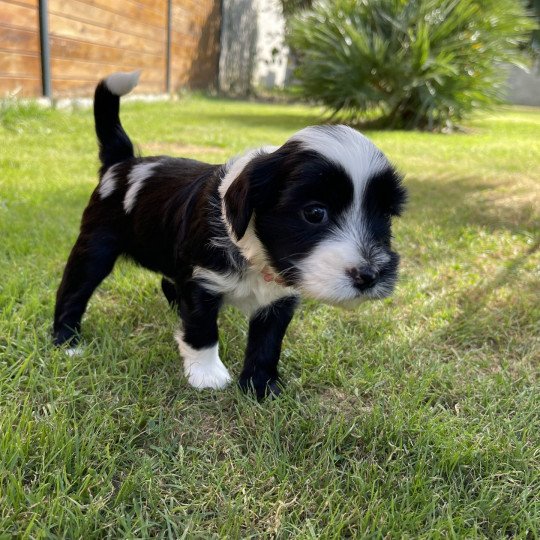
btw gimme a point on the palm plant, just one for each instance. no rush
(407, 63)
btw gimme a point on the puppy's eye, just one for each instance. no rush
(315, 214)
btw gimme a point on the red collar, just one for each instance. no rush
(269, 275)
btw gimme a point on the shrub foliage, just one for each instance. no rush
(407, 63)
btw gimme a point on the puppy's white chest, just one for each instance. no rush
(253, 292)
(247, 291)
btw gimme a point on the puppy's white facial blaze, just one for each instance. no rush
(344, 146)
(203, 367)
(136, 178)
(108, 182)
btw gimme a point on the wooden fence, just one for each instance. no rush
(89, 39)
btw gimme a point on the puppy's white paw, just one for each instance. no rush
(213, 376)
(203, 367)
(74, 351)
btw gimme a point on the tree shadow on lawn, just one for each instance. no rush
(462, 203)
(293, 121)
(476, 328)
(467, 202)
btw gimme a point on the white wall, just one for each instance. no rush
(252, 46)
(523, 86)
(238, 46)
(271, 61)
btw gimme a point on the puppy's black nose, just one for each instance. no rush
(363, 277)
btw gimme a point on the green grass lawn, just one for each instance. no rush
(418, 416)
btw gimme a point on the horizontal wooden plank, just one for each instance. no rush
(181, 63)
(25, 3)
(188, 5)
(69, 48)
(192, 19)
(187, 41)
(179, 11)
(19, 86)
(179, 82)
(64, 68)
(178, 51)
(195, 43)
(80, 11)
(19, 15)
(20, 64)
(84, 88)
(197, 9)
(64, 27)
(184, 27)
(158, 6)
(132, 10)
(16, 39)
(30, 3)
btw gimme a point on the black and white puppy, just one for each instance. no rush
(312, 217)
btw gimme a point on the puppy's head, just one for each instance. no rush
(319, 211)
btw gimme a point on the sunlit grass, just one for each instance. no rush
(418, 416)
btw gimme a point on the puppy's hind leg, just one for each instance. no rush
(90, 262)
(169, 290)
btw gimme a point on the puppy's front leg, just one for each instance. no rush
(267, 328)
(198, 341)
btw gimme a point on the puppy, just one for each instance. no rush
(312, 217)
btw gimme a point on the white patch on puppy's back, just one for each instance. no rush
(137, 176)
(248, 291)
(108, 182)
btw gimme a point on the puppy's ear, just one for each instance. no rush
(238, 208)
(255, 187)
(385, 193)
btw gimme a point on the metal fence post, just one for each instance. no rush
(168, 52)
(45, 51)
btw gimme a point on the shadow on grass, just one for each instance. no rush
(476, 299)
(466, 201)
(292, 121)
(482, 320)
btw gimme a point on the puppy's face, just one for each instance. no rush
(319, 211)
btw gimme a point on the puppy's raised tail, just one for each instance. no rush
(114, 143)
